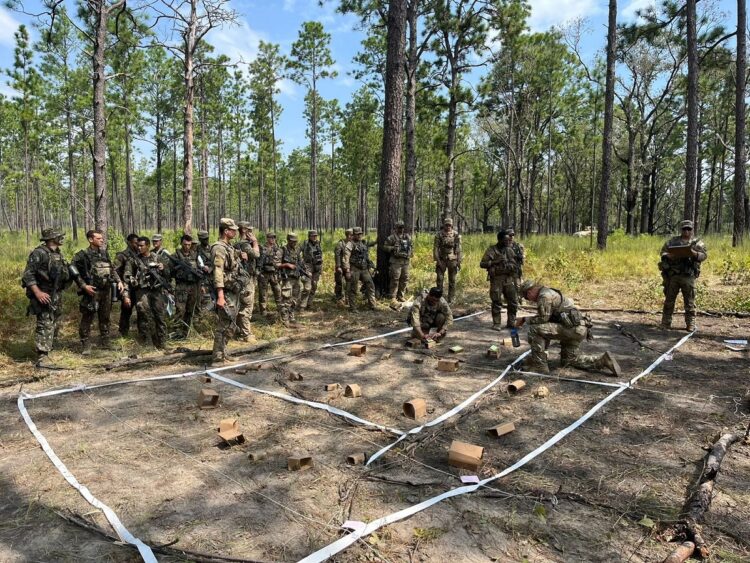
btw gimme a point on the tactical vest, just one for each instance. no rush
(403, 246)
(231, 266)
(290, 256)
(447, 245)
(97, 268)
(313, 255)
(250, 266)
(51, 274)
(359, 256)
(268, 259)
(681, 266)
(181, 273)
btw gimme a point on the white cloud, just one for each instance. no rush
(288, 88)
(546, 13)
(288, 5)
(239, 42)
(8, 26)
(628, 12)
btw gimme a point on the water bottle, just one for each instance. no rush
(514, 337)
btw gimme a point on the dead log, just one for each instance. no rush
(681, 553)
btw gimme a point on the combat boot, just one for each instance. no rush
(534, 365)
(107, 343)
(497, 326)
(43, 361)
(248, 338)
(690, 325)
(86, 347)
(666, 322)
(608, 361)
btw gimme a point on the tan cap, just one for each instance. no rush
(349, 231)
(686, 224)
(312, 233)
(245, 225)
(526, 285)
(357, 230)
(448, 221)
(227, 223)
(399, 224)
(270, 234)
(203, 234)
(291, 236)
(156, 237)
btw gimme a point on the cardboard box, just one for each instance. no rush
(465, 456)
(680, 251)
(208, 399)
(358, 350)
(207, 379)
(447, 365)
(416, 408)
(356, 459)
(413, 343)
(299, 462)
(352, 390)
(256, 456)
(506, 342)
(493, 352)
(332, 387)
(501, 429)
(295, 376)
(430, 344)
(516, 386)
(456, 349)
(229, 429)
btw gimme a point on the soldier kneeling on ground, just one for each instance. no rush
(430, 311)
(557, 318)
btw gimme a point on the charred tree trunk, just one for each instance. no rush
(411, 116)
(609, 104)
(740, 218)
(691, 150)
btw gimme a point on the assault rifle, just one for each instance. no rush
(186, 267)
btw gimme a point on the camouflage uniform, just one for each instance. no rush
(204, 262)
(268, 277)
(501, 262)
(520, 252)
(226, 268)
(249, 279)
(312, 255)
(121, 260)
(48, 270)
(161, 252)
(558, 319)
(290, 281)
(427, 316)
(401, 249)
(187, 289)
(679, 275)
(95, 269)
(446, 252)
(338, 254)
(149, 287)
(356, 262)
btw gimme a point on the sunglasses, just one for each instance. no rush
(687, 228)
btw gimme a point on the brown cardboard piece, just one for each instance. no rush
(416, 408)
(358, 350)
(229, 429)
(332, 386)
(680, 251)
(295, 376)
(299, 462)
(207, 379)
(208, 399)
(501, 429)
(413, 343)
(352, 390)
(256, 456)
(506, 342)
(447, 365)
(465, 456)
(493, 352)
(516, 386)
(356, 459)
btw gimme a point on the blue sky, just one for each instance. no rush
(279, 21)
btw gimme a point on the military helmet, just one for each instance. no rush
(227, 223)
(448, 221)
(526, 286)
(686, 224)
(357, 230)
(349, 231)
(399, 224)
(270, 234)
(50, 234)
(291, 237)
(203, 235)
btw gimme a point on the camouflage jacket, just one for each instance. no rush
(270, 259)
(121, 260)
(144, 273)
(685, 266)
(251, 265)
(312, 254)
(338, 253)
(400, 247)
(423, 314)
(356, 255)
(225, 263)
(95, 268)
(182, 264)
(291, 255)
(45, 268)
(447, 247)
(500, 260)
(549, 305)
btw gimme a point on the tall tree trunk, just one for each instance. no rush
(101, 216)
(411, 116)
(275, 168)
(711, 185)
(71, 167)
(187, 139)
(609, 104)
(691, 150)
(159, 180)
(740, 218)
(174, 178)
(132, 227)
(450, 147)
(314, 157)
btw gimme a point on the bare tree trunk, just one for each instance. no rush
(159, 180)
(609, 104)
(691, 150)
(129, 184)
(738, 231)
(174, 179)
(450, 147)
(275, 168)
(187, 178)
(313, 157)
(411, 116)
(101, 216)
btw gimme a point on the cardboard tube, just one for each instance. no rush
(352, 390)
(356, 459)
(208, 399)
(416, 408)
(299, 462)
(516, 386)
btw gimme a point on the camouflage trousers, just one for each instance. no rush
(452, 267)
(437, 323)
(98, 305)
(673, 285)
(151, 306)
(246, 305)
(290, 295)
(309, 287)
(399, 277)
(570, 342)
(340, 284)
(266, 281)
(187, 297)
(124, 323)
(360, 276)
(47, 322)
(226, 324)
(503, 287)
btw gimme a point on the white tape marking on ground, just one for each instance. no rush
(587, 381)
(344, 542)
(118, 527)
(313, 404)
(455, 410)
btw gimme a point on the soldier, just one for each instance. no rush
(557, 318)
(226, 266)
(158, 249)
(290, 272)
(356, 265)
(249, 255)
(680, 266)
(312, 256)
(188, 276)
(447, 255)
(520, 253)
(44, 279)
(401, 248)
(147, 277)
(204, 262)
(130, 253)
(268, 277)
(501, 262)
(430, 311)
(96, 276)
(338, 253)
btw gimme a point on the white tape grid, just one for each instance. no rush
(347, 540)
(122, 532)
(446, 415)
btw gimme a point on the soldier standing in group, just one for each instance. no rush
(520, 253)
(147, 277)
(158, 249)
(312, 256)
(249, 255)
(430, 311)
(204, 263)
(226, 266)
(558, 318)
(95, 280)
(356, 264)
(338, 253)
(501, 262)
(680, 266)
(44, 278)
(447, 255)
(270, 260)
(129, 254)
(401, 248)
(289, 272)
(188, 276)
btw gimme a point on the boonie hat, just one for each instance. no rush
(227, 223)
